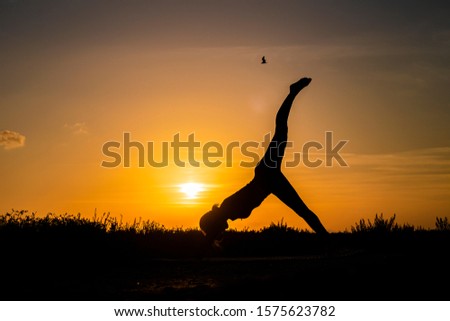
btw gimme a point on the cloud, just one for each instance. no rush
(421, 174)
(77, 128)
(11, 140)
(412, 177)
(430, 161)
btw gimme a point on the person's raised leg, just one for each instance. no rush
(285, 108)
(275, 151)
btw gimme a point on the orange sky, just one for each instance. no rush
(76, 75)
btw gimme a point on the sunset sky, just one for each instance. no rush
(75, 75)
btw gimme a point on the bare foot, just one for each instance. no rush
(299, 85)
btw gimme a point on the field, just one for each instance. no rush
(65, 257)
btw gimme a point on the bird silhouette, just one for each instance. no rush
(263, 60)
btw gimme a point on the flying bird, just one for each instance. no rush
(263, 60)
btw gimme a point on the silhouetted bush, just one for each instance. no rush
(442, 224)
(380, 225)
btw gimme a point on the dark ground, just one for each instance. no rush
(402, 267)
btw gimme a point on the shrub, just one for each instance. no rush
(442, 224)
(379, 225)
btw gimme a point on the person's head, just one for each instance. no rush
(213, 223)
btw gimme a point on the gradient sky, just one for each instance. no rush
(77, 74)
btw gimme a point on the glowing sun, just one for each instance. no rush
(191, 190)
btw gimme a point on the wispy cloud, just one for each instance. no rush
(415, 177)
(11, 140)
(77, 128)
(430, 161)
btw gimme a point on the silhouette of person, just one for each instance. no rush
(268, 179)
(263, 60)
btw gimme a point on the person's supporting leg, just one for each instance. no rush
(287, 194)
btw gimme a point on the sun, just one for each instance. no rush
(191, 190)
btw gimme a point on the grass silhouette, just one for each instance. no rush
(73, 257)
(105, 237)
